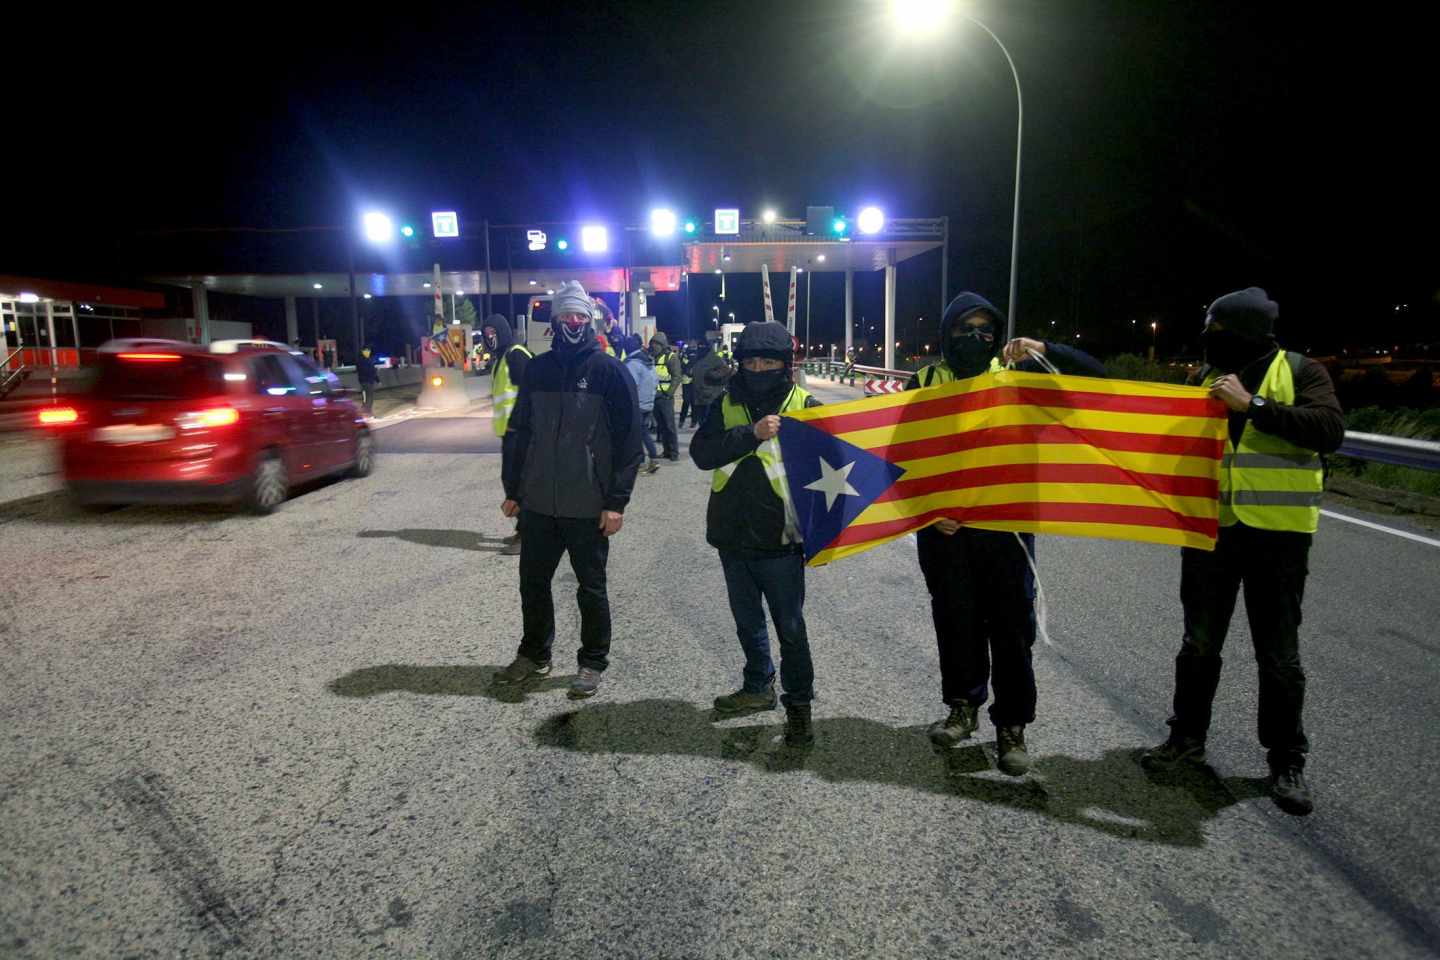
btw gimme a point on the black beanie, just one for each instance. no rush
(1249, 312)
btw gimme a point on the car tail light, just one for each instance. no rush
(150, 356)
(209, 418)
(56, 416)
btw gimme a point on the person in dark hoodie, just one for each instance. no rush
(750, 521)
(572, 451)
(369, 378)
(507, 369)
(982, 588)
(709, 371)
(1283, 418)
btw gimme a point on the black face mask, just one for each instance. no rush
(765, 384)
(1229, 352)
(968, 355)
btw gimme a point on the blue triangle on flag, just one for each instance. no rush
(831, 481)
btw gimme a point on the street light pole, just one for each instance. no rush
(809, 274)
(1019, 131)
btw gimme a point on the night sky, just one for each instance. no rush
(1173, 150)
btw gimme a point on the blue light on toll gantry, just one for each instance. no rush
(690, 226)
(838, 226)
(562, 244)
(407, 231)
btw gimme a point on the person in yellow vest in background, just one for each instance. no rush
(667, 371)
(507, 367)
(751, 522)
(1283, 417)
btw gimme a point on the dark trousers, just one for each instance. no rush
(702, 411)
(982, 599)
(665, 423)
(543, 540)
(645, 438)
(687, 403)
(780, 581)
(367, 396)
(1271, 565)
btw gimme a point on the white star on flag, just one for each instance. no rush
(833, 483)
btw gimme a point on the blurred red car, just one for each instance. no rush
(239, 421)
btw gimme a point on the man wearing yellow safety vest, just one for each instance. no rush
(981, 582)
(667, 371)
(1283, 417)
(506, 372)
(751, 521)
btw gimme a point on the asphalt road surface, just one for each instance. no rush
(275, 737)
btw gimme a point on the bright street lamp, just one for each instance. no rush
(871, 220)
(378, 227)
(594, 238)
(662, 222)
(925, 18)
(768, 216)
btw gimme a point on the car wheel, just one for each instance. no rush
(269, 485)
(364, 455)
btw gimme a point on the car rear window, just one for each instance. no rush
(187, 378)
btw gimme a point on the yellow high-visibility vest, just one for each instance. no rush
(503, 390)
(1267, 482)
(768, 453)
(938, 373)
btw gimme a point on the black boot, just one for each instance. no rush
(797, 725)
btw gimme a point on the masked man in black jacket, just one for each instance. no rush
(982, 588)
(1283, 417)
(571, 452)
(750, 521)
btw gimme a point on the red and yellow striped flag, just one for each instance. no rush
(1028, 452)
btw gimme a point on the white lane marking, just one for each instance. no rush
(1375, 526)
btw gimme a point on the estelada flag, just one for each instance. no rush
(1028, 452)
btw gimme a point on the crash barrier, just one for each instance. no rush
(874, 380)
(389, 377)
(1399, 451)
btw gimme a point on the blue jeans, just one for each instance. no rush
(781, 582)
(645, 437)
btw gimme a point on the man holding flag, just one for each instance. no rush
(1282, 416)
(750, 521)
(982, 589)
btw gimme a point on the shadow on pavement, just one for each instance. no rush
(455, 539)
(1111, 794)
(445, 681)
(56, 507)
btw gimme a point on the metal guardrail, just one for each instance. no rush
(1399, 451)
(835, 370)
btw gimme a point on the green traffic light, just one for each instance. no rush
(407, 231)
(562, 244)
(838, 226)
(690, 226)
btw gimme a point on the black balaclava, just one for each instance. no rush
(1247, 325)
(767, 388)
(966, 351)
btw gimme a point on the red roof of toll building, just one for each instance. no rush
(82, 292)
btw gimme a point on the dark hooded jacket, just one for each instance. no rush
(504, 340)
(708, 373)
(1066, 359)
(746, 518)
(573, 445)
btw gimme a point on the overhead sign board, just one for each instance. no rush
(727, 220)
(536, 239)
(445, 223)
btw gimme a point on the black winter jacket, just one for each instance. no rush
(746, 518)
(573, 445)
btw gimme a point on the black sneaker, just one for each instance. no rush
(522, 670)
(797, 725)
(1173, 753)
(963, 721)
(1290, 791)
(743, 702)
(1010, 751)
(586, 682)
